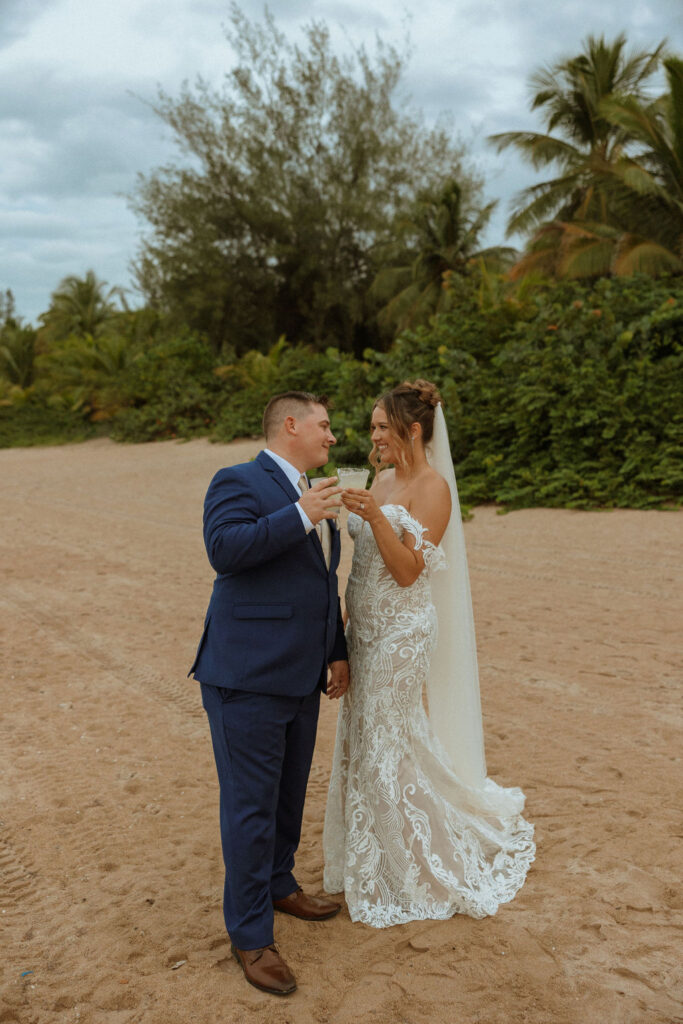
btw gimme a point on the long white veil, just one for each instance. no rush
(453, 684)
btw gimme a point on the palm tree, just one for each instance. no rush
(17, 353)
(587, 144)
(440, 245)
(81, 306)
(648, 185)
(85, 371)
(645, 229)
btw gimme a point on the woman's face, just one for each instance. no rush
(388, 448)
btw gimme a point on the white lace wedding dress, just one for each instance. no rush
(405, 839)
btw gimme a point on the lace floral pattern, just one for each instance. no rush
(404, 839)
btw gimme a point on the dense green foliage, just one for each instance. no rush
(170, 390)
(569, 395)
(573, 399)
(583, 404)
(33, 423)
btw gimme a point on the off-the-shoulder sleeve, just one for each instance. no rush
(433, 555)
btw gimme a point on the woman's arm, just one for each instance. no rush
(431, 507)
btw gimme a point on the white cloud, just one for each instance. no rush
(129, 39)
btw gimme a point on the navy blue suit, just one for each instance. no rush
(272, 626)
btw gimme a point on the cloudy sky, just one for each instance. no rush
(75, 74)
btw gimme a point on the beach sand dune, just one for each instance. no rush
(110, 863)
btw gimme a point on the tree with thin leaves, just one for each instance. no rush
(293, 175)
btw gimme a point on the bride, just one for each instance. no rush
(414, 829)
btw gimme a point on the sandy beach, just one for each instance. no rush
(111, 871)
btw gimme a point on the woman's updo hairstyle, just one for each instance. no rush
(410, 402)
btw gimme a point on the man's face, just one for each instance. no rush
(313, 438)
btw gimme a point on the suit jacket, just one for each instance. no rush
(274, 619)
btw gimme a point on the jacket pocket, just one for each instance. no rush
(262, 611)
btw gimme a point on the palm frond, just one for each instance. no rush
(674, 72)
(540, 149)
(643, 256)
(541, 202)
(589, 257)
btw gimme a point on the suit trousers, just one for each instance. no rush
(263, 746)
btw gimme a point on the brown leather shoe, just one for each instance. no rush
(309, 908)
(265, 969)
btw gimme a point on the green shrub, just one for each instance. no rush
(569, 395)
(582, 405)
(34, 423)
(169, 390)
(250, 381)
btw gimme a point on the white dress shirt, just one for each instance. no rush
(292, 474)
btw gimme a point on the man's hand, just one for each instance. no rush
(321, 501)
(338, 682)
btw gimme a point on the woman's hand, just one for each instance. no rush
(362, 503)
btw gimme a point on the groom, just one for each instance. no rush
(273, 630)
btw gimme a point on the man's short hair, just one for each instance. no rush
(289, 403)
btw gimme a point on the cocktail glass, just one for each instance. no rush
(351, 476)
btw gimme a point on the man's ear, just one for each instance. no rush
(289, 424)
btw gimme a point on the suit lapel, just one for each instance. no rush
(280, 477)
